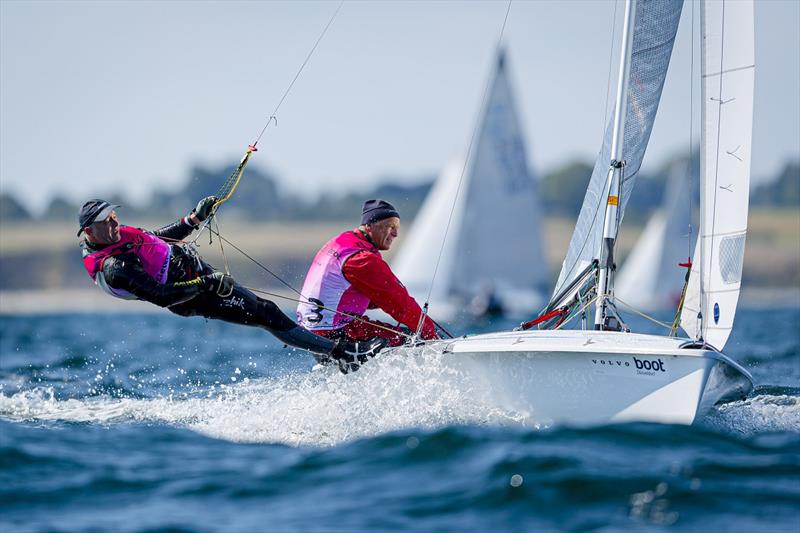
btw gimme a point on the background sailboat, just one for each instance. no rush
(650, 277)
(494, 247)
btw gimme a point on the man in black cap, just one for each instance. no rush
(156, 266)
(349, 276)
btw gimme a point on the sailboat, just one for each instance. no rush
(603, 372)
(653, 275)
(496, 215)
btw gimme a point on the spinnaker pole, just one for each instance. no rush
(615, 171)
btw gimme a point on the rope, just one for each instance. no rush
(677, 320)
(547, 316)
(222, 249)
(643, 315)
(354, 317)
(460, 182)
(303, 298)
(254, 260)
(589, 302)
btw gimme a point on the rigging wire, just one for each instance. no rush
(703, 204)
(273, 115)
(691, 166)
(460, 182)
(230, 185)
(354, 317)
(284, 297)
(302, 298)
(610, 65)
(642, 314)
(601, 198)
(691, 140)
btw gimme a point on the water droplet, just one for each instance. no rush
(516, 480)
(412, 442)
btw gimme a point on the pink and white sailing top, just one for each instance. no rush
(326, 286)
(154, 253)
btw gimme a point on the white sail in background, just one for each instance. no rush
(416, 259)
(728, 65)
(654, 35)
(494, 237)
(650, 278)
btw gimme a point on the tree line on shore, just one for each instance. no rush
(260, 196)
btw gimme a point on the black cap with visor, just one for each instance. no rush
(94, 211)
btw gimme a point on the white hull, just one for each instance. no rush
(596, 376)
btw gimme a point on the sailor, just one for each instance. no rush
(156, 266)
(349, 276)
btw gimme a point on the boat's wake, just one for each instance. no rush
(321, 407)
(324, 407)
(757, 414)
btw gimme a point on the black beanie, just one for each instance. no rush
(375, 210)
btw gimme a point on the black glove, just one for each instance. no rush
(205, 208)
(219, 283)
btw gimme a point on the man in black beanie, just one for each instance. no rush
(349, 276)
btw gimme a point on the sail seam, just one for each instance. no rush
(707, 235)
(728, 71)
(717, 291)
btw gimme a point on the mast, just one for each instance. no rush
(615, 170)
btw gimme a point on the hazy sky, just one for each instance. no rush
(98, 96)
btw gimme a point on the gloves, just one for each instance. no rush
(219, 283)
(204, 209)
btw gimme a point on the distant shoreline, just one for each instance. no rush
(36, 302)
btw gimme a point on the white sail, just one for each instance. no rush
(728, 65)
(651, 278)
(416, 260)
(654, 35)
(496, 216)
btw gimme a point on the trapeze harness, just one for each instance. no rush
(153, 252)
(326, 286)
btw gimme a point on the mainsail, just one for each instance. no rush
(496, 222)
(728, 65)
(654, 34)
(651, 277)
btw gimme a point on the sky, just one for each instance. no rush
(98, 97)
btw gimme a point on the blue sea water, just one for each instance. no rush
(160, 423)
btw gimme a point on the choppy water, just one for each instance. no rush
(152, 422)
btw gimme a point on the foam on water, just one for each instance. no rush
(322, 407)
(758, 414)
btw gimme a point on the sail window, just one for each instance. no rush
(731, 257)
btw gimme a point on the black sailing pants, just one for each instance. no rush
(244, 307)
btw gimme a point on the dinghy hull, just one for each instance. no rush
(581, 377)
